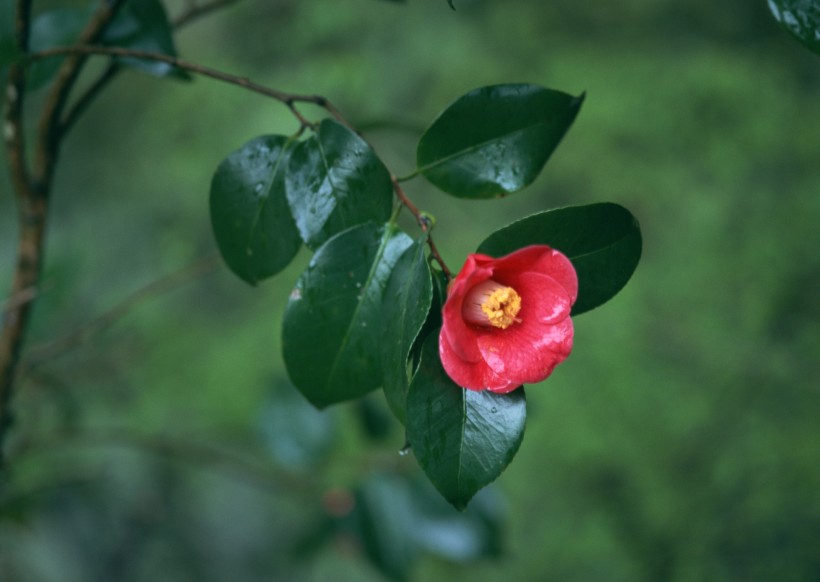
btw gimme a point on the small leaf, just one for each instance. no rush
(801, 18)
(603, 241)
(407, 302)
(495, 140)
(463, 439)
(143, 25)
(330, 333)
(335, 181)
(249, 213)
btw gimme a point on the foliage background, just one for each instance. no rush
(680, 441)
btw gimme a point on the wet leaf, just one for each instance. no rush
(335, 181)
(495, 140)
(603, 241)
(463, 439)
(801, 18)
(408, 298)
(330, 333)
(250, 216)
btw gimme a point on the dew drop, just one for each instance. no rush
(405, 450)
(493, 410)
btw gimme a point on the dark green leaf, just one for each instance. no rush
(297, 435)
(249, 213)
(335, 181)
(396, 517)
(384, 520)
(801, 18)
(463, 439)
(603, 241)
(143, 25)
(457, 535)
(330, 335)
(495, 140)
(407, 302)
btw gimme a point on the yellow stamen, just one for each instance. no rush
(492, 304)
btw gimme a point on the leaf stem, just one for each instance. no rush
(423, 222)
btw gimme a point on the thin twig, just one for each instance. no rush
(288, 99)
(26, 272)
(50, 125)
(18, 299)
(57, 347)
(196, 10)
(423, 222)
(85, 100)
(266, 477)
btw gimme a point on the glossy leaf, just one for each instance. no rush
(143, 25)
(801, 18)
(335, 181)
(463, 439)
(249, 212)
(603, 241)
(296, 434)
(330, 334)
(408, 298)
(495, 140)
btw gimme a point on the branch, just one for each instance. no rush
(424, 223)
(18, 300)
(194, 12)
(265, 477)
(13, 103)
(288, 99)
(49, 129)
(57, 347)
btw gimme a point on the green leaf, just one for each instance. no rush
(408, 298)
(463, 439)
(397, 517)
(335, 181)
(603, 241)
(296, 434)
(249, 213)
(801, 18)
(495, 140)
(143, 25)
(330, 333)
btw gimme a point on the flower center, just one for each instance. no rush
(491, 304)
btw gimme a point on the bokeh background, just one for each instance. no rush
(681, 440)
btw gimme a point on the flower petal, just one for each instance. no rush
(542, 299)
(471, 375)
(527, 353)
(541, 259)
(461, 336)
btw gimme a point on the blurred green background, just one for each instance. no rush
(681, 440)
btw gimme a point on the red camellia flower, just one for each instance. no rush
(506, 321)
